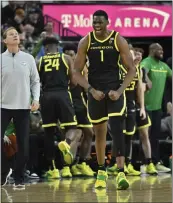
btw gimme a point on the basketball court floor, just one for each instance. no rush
(142, 189)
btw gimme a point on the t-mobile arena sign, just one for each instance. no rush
(130, 21)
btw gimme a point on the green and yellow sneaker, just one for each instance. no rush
(85, 170)
(151, 169)
(65, 172)
(121, 181)
(112, 170)
(126, 171)
(52, 174)
(101, 179)
(132, 171)
(75, 171)
(65, 149)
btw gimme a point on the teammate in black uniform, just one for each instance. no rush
(130, 123)
(106, 98)
(55, 71)
(136, 116)
(82, 122)
(134, 89)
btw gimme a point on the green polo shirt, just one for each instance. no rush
(158, 72)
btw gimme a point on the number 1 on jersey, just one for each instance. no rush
(102, 58)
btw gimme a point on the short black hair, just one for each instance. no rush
(70, 46)
(50, 40)
(101, 13)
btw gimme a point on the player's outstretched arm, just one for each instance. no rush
(80, 62)
(127, 62)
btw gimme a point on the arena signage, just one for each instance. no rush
(130, 21)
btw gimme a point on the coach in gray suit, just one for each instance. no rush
(20, 82)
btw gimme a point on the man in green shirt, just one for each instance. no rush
(157, 74)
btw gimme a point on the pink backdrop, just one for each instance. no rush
(130, 21)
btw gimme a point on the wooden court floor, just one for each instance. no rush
(142, 189)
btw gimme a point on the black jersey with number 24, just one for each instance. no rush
(54, 72)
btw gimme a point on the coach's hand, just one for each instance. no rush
(98, 95)
(142, 113)
(114, 95)
(35, 105)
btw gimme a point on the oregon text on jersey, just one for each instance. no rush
(103, 71)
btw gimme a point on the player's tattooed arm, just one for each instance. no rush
(71, 69)
(127, 61)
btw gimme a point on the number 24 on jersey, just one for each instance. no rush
(51, 63)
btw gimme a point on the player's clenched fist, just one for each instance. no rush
(113, 95)
(98, 95)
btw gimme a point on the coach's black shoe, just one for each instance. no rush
(5, 176)
(19, 185)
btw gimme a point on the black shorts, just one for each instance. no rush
(57, 106)
(80, 107)
(100, 111)
(130, 120)
(142, 123)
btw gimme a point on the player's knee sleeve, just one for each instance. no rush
(116, 130)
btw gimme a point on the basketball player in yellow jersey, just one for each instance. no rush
(106, 99)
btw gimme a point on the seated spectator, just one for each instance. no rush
(36, 19)
(8, 12)
(18, 20)
(166, 123)
(169, 62)
(49, 30)
(39, 49)
(29, 40)
(168, 89)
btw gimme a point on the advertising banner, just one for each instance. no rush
(130, 21)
